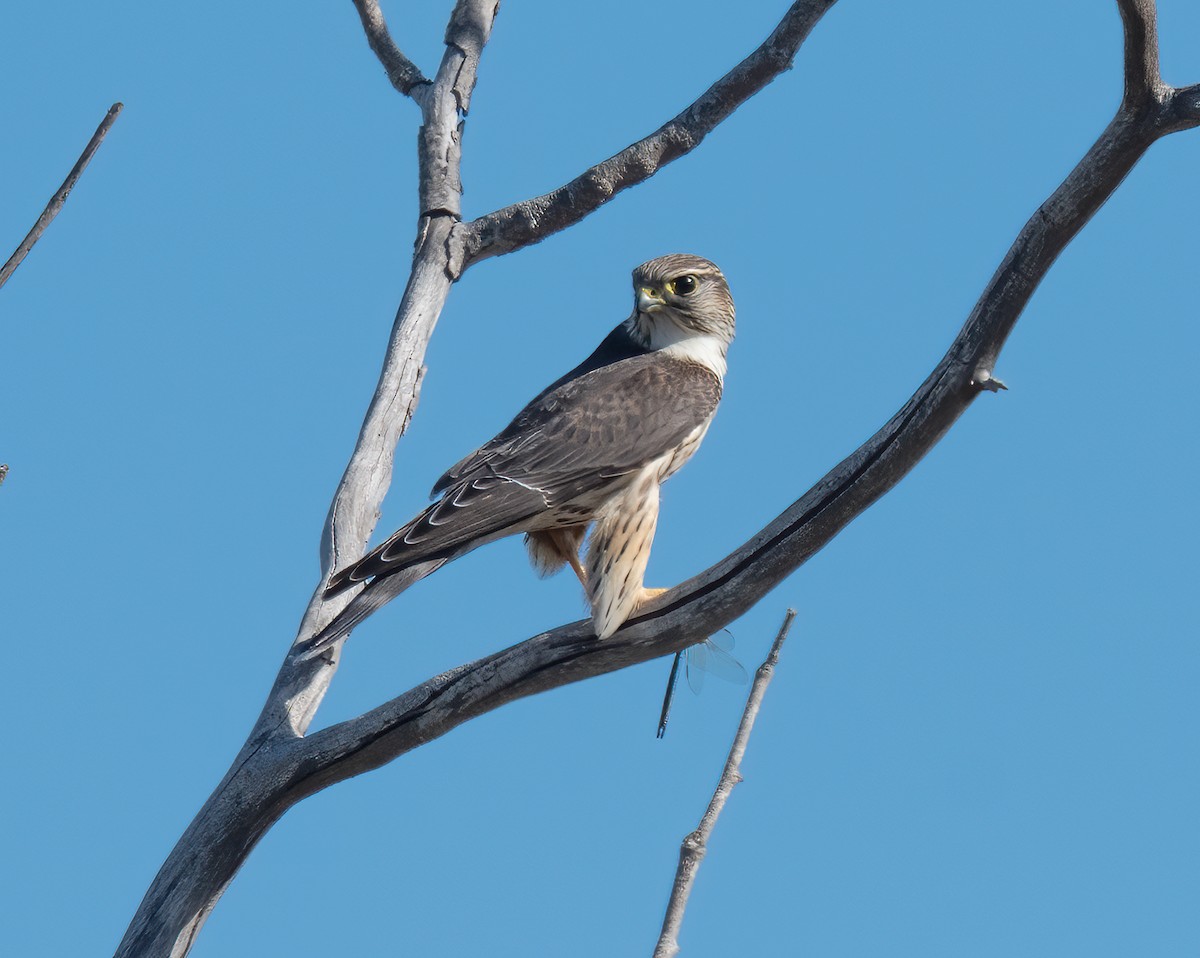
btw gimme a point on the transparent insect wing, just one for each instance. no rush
(712, 657)
(708, 657)
(696, 661)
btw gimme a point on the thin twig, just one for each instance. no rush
(404, 74)
(695, 845)
(59, 198)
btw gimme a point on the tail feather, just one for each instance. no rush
(372, 566)
(470, 513)
(377, 593)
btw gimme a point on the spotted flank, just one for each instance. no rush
(619, 551)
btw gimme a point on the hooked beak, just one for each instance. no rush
(649, 299)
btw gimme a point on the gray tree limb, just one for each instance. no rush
(59, 199)
(251, 796)
(531, 221)
(695, 844)
(280, 765)
(404, 75)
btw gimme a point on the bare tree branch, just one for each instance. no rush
(206, 857)
(404, 74)
(440, 149)
(1180, 108)
(1141, 49)
(695, 845)
(1184, 107)
(60, 197)
(279, 766)
(356, 504)
(531, 221)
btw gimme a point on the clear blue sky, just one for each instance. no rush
(982, 737)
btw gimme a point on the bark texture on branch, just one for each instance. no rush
(404, 75)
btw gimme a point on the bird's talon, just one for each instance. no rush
(648, 594)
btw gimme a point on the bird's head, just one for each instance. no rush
(678, 297)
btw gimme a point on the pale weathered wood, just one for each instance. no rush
(253, 793)
(695, 844)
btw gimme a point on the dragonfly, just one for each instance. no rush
(711, 657)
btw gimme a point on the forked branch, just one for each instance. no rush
(301, 684)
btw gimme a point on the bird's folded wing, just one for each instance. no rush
(578, 438)
(605, 423)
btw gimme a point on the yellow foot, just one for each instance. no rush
(579, 573)
(648, 594)
(569, 547)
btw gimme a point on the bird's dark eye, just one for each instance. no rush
(685, 285)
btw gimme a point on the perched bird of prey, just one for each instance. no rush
(590, 449)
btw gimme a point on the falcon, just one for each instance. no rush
(591, 449)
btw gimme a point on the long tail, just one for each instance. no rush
(377, 593)
(471, 512)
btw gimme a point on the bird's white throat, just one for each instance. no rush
(662, 334)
